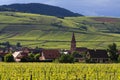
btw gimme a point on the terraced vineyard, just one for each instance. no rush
(54, 71)
(52, 32)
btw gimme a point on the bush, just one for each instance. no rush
(87, 60)
(66, 58)
(24, 59)
(36, 57)
(119, 58)
(9, 58)
(31, 57)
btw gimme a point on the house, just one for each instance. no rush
(18, 55)
(97, 56)
(65, 51)
(26, 50)
(3, 52)
(50, 54)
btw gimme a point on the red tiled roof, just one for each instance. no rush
(51, 53)
(118, 51)
(3, 54)
(24, 54)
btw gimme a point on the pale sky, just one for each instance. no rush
(85, 7)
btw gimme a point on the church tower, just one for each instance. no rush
(73, 43)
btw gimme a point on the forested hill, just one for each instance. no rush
(38, 8)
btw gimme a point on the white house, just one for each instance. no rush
(17, 56)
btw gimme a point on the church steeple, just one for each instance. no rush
(73, 43)
(73, 38)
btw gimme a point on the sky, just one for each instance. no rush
(85, 7)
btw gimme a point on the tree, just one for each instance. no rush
(76, 55)
(36, 57)
(112, 49)
(18, 44)
(119, 58)
(24, 59)
(31, 57)
(9, 58)
(7, 44)
(66, 58)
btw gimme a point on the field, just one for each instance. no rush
(51, 32)
(55, 71)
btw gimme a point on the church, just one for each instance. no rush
(96, 56)
(79, 57)
(73, 47)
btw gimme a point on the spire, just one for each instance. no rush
(73, 43)
(73, 38)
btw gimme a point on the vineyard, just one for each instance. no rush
(54, 71)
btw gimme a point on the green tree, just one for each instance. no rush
(74, 54)
(31, 57)
(24, 59)
(119, 58)
(66, 58)
(9, 58)
(112, 49)
(18, 44)
(7, 44)
(36, 57)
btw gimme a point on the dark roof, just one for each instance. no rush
(98, 53)
(24, 54)
(78, 56)
(81, 49)
(25, 48)
(51, 53)
(37, 50)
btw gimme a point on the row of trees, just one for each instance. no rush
(8, 44)
(30, 58)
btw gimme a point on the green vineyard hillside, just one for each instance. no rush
(53, 32)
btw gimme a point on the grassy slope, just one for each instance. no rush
(51, 32)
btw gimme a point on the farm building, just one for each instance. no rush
(18, 55)
(97, 56)
(50, 54)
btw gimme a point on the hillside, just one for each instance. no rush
(52, 32)
(38, 8)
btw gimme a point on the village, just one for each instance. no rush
(80, 54)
